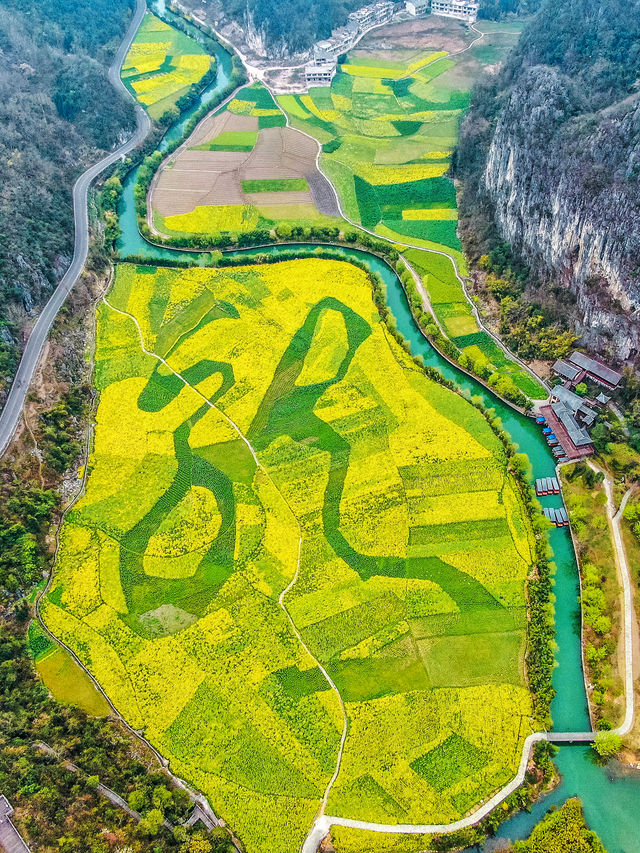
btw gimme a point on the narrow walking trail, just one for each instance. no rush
(624, 573)
(11, 414)
(294, 579)
(400, 243)
(324, 823)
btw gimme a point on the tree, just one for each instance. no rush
(600, 436)
(180, 833)
(607, 744)
(582, 389)
(198, 843)
(151, 823)
(137, 800)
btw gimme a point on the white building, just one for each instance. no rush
(320, 72)
(417, 7)
(323, 49)
(343, 39)
(463, 10)
(368, 16)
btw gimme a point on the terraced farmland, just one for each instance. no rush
(388, 128)
(162, 65)
(242, 170)
(274, 485)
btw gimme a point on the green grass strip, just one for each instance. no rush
(275, 185)
(230, 140)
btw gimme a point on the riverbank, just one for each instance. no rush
(571, 685)
(528, 437)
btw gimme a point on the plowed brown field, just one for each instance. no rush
(194, 178)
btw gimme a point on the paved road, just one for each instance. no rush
(15, 401)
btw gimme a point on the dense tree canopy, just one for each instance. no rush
(560, 831)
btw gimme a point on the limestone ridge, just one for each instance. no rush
(568, 200)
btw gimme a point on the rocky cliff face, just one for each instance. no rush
(549, 159)
(565, 193)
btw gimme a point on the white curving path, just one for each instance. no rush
(395, 242)
(624, 573)
(294, 579)
(13, 407)
(323, 824)
(31, 355)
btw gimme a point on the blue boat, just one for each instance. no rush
(541, 420)
(547, 431)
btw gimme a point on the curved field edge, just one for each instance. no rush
(162, 687)
(254, 221)
(390, 171)
(259, 218)
(162, 65)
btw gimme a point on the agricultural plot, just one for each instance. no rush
(456, 317)
(62, 676)
(258, 431)
(242, 169)
(162, 65)
(388, 127)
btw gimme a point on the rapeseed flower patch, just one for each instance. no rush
(412, 215)
(212, 220)
(162, 64)
(315, 452)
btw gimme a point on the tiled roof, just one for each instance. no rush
(578, 435)
(566, 370)
(611, 377)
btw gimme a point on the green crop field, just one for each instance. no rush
(162, 64)
(265, 190)
(274, 483)
(388, 129)
(255, 100)
(455, 314)
(231, 140)
(61, 674)
(274, 185)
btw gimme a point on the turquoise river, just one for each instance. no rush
(611, 796)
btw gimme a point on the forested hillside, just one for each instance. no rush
(57, 112)
(288, 26)
(496, 9)
(550, 159)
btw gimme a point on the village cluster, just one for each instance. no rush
(571, 413)
(321, 69)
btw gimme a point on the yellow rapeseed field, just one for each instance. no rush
(291, 444)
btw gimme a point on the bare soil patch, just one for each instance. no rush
(196, 178)
(430, 32)
(212, 126)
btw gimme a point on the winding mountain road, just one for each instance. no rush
(15, 401)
